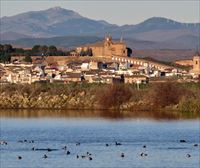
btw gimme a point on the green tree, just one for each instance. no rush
(5, 57)
(52, 50)
(43, 50)
(28, 58)
(35, 48)
(7, 48)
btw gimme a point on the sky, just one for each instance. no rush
(114, 11)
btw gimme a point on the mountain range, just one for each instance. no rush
(67, 28)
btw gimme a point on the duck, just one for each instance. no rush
(188, 155)
(68, 153)
(3, 143)
(31, 141)
(195, 145)
(77, 156)
(19, 157)
(65, 148)
(143, 154)
(49, 150)
(107, 145)
(117, 143)
(144, 146)
(89, 154)
(78, 143)
(182, 141)
(45, 156)
(90, 158)
(122, 155)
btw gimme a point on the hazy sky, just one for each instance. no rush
(116, 12)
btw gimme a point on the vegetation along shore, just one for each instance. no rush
(121, 97)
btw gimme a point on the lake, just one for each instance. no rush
(158, 137)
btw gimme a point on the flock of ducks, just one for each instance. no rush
(87, 155)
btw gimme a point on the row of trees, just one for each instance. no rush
(43, 50)
(7, 51)
(88, 52)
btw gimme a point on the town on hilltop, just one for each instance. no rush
(107, 61)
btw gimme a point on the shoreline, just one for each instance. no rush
(157, 97)
(109, 114)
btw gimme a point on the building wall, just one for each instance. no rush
(97, 51)
(188, 62)
(106, 48)
(196, 64)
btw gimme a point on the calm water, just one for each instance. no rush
(161, 138)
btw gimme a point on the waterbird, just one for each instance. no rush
(68, 153)
(188, 155)
(117, 143)
(107, 145)
(31, 141)
(83, 156)
(65, 148)
(49, 150)
(44, 149)
(143, 154)
(77, 156)
(195, 145)
(45, 156)
(19, 157)
(78, 143)
(144, 146)
(122, 155)
(3, 143)
(90, 158)
(89, 154)
(182, 141)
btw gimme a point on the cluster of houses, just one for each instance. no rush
(91, 72)
(119, 67)
(87, 71)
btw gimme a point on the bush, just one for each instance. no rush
(166, 94)
(190, 105)
(114, 96)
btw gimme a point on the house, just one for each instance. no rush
(135, 79)
(73, 77)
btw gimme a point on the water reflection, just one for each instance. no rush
(157, 115)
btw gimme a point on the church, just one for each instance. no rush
(196, 63)
(108, 47)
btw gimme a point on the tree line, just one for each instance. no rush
(7, 51)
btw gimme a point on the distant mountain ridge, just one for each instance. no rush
(157, 31)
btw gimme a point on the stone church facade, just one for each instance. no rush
(108, 47)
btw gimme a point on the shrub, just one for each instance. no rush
(190, 105)
(166, 94)
(114, 96)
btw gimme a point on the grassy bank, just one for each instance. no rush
(171, 96)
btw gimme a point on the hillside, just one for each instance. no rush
(63, 42)
(62, 22)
